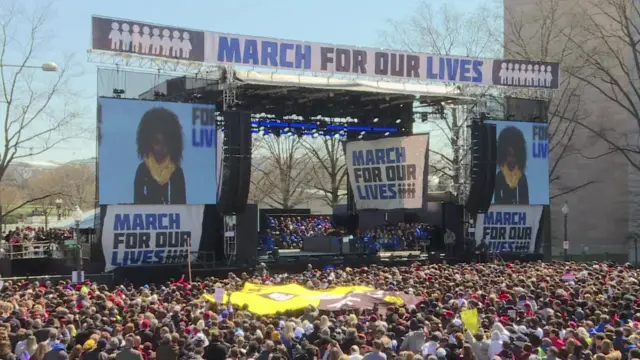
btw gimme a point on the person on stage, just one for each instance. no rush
(159, 178)
(511, 186)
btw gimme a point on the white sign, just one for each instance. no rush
(137, 235)
(509, 228)
(388, 173)
(565, 245)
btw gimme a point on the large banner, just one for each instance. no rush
(128, 36)
(522, 171)
(135, 235)
(268, 300)
(508, 228)
(388, 173)
(155, 152)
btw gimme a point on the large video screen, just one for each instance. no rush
(522, 169)
(153, 152)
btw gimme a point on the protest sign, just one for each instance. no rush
(150, 234)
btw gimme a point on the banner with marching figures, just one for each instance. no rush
(388, 173)
(509, 228)
(150, 234)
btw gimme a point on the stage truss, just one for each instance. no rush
(225, 73)
(128, 61)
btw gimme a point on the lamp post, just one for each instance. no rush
(47, 67)
(77, 217)
(58, 206)
(565, 244)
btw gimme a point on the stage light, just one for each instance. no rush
(360, 136)
(386, 134)
(362, 132)
(398, 121)
(375, 120)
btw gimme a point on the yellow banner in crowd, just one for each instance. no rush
(470, 320)
(267, 300)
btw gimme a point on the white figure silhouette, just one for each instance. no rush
(523, 75)
(155, 42)
(516, 74)
(186, 45)
(502, 73)
(136, 40)
(530, 75)
(509, 74)
(536, 75)
(176, 44)
(548, 77)
(115, 36)
(126, 37)
(166, 42)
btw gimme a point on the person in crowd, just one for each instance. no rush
(526, 311)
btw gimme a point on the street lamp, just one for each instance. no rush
(77, 217)
(47, 67)
(565, 243)
(58, 206)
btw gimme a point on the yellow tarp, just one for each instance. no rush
(266, 300)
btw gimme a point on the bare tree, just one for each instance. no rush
(476, 33)
(11, 195)
(283, 171)
(446, 31)
(329, 168)
(76, 183)
(39, 108)
(609, 57)
(546, 35)
(43, 191)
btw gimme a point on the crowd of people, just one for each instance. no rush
(289, 233)
(23, 241)
(526, 311)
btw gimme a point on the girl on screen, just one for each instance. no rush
(511, 185)
(159, 178)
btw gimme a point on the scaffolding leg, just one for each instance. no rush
(230, 248)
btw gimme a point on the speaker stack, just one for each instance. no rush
(483, 167)
(236, 162)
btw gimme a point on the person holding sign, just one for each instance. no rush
(159, 178)
(511, 186)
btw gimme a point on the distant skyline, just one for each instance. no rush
(353, 22)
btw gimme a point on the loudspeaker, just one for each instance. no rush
(483, 167)
(527, 109)
(490, 164)
(247, 235)
(236, 162)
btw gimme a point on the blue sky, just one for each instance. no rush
(349, 22)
